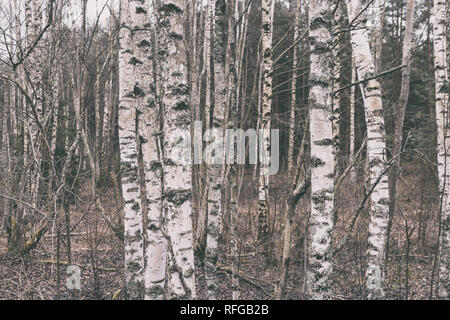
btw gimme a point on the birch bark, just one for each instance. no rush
(33, 26)
(200, 237)
(400, 112)
(294, 89)
(216, 170)
(176, 166)
(336, 98)
(285, 243)
(155, 246)
(319, 281)
(134, 254)
(375, 24)
(268, 7)
(441, 100)
(231, 74)
(376, 146)
(352, 121)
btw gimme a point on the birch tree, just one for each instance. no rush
(148, 127)
(319, 276)
(134, 251)
(401, 110)
(336, 98)
(267, 10)
(33, 19)
(231, 74)
(375, 23)
(216, 170)
(376, 146)
(208, 9)
(352, 120)
(174, 98)
(110, 96)
(294, 88)
(13, 238)
(441, 101)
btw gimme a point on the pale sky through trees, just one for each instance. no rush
(93, 7)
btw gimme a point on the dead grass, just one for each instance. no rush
(101, 256)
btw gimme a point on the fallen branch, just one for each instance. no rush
(250, 280)
(34, 239)
(66, 263)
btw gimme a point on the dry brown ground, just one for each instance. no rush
(33, 277)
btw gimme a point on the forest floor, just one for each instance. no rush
(409, 269)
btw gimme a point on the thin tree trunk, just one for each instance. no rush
(336, 98)
(268, 7)
(352, 121)
(322, 159)
(33, 23)
(134, 254)
(376, 146)
(375, 24)
(443, 143)
(294, 89)
(232, 118)
(298, 190)
(400, 115)
(216, 171)
(200, 237)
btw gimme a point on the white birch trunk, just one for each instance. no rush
(55, 110)
(376, 146)
(266, 109)
(134, 259)
(336, 85)
(294, 89)
(216, 171)
(174, 98)
(33, 26)
(98, 122)
(155, 255)
(441, 96)
(200, 237)
(109, 92)
(319, 281)
(400, 113)
(375, 23)
(352, 121)
(231, 120)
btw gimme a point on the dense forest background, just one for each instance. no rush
(67, 195)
